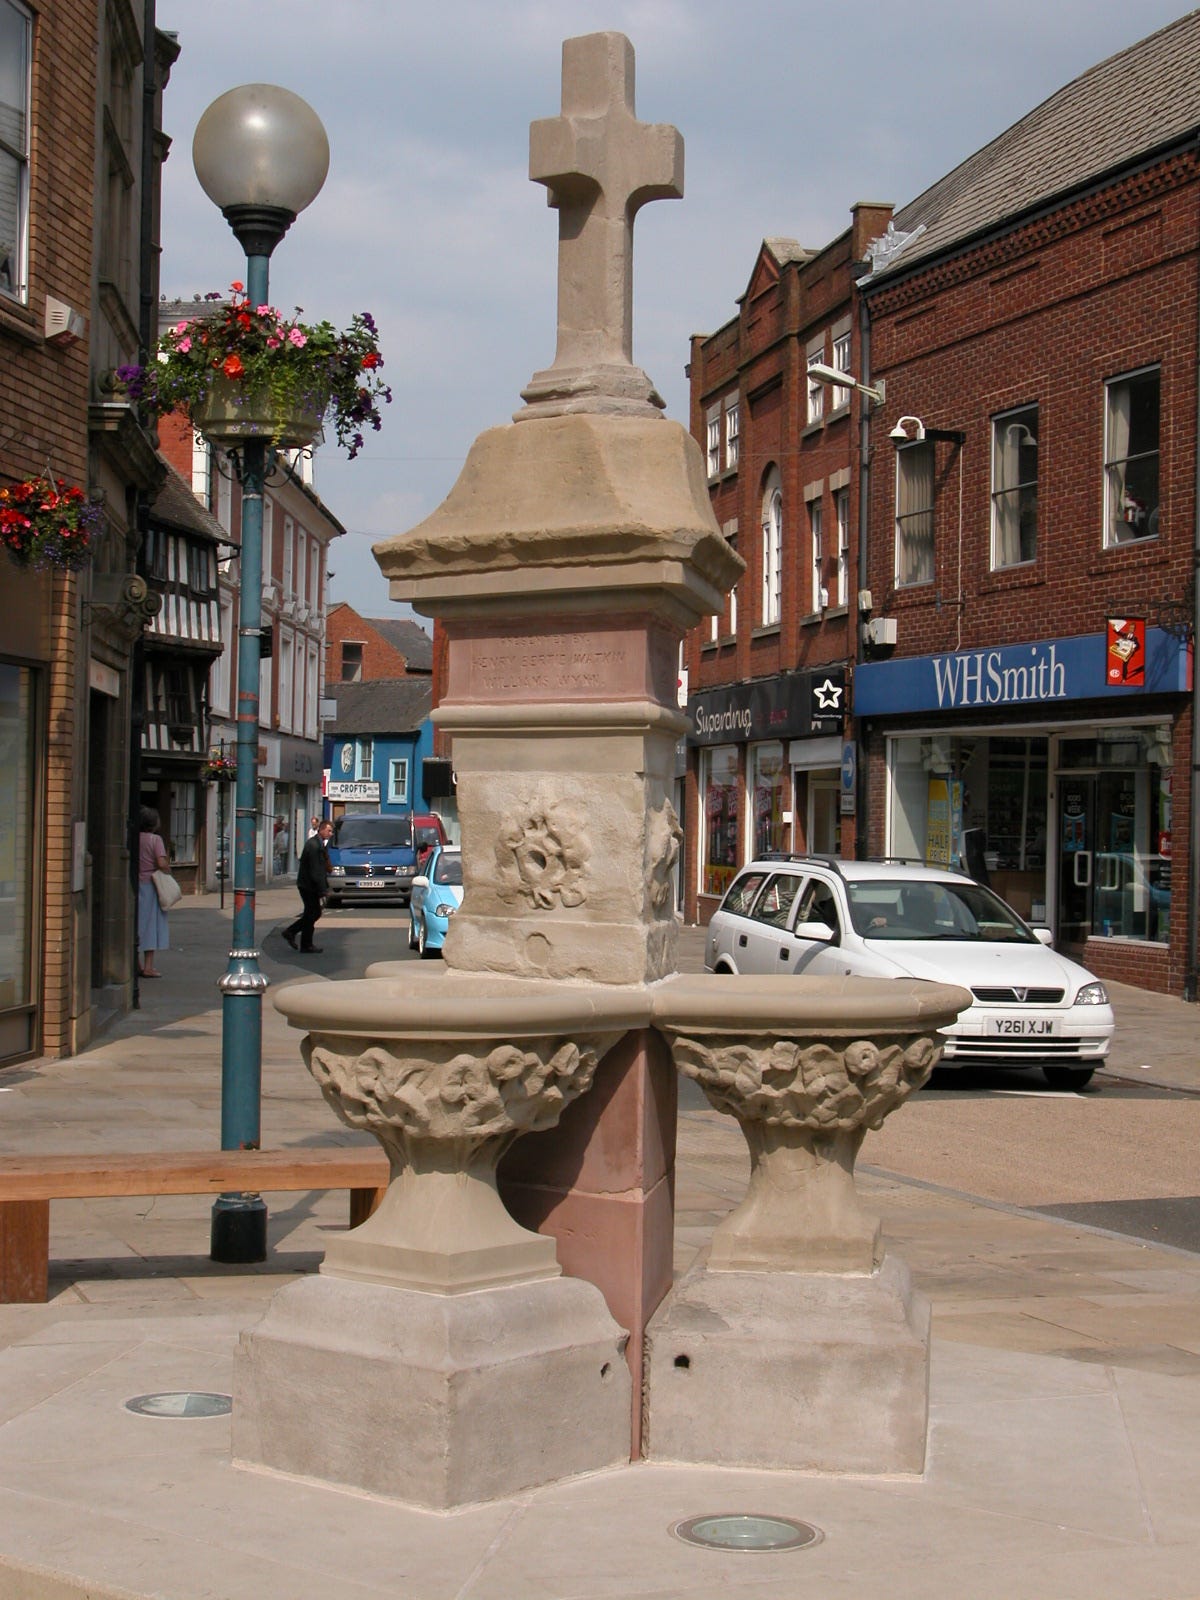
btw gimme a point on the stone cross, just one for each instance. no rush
(600, 165)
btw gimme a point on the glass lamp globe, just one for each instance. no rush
(260, 146)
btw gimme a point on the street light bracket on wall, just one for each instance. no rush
(876, 393)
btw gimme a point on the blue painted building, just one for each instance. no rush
(377, 746)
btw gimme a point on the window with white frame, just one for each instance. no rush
(714, 441)
(298, 687)
(772, 549)
(398, 780)
(314, 575)
(820, 596)
(313, 690)
(289, 571)
(841, 508)
(841, 361)
(352, 661)
(816, 390)
(364, 757)
(733, 430)
(301, 552)
(286, 660)
(914, 513)
(1014, 487)
(1131, 441)
(16, 37)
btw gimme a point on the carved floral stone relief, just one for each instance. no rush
(542, 855)
(664, 838)
(812, 1086)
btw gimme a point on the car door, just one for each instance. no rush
(816, 905)
(763, 943)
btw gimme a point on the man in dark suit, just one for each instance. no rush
(312, 880)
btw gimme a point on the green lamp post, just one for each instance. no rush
(261, 155)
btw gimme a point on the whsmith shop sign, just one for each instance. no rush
(1045, 673)
(789, 707)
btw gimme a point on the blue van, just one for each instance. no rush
(376, 856)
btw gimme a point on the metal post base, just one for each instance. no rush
(239, 1229)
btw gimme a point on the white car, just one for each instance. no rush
(882, 919)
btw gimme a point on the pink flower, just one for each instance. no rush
(297, 338)
(264, 311)
(181, 327)
(184, 346)
(274, 342)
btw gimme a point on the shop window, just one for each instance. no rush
(769, 786)
(914, 513)
(772, 549)
(1014, 487)
(183, 822)
(722, 818)
(1131, 437)
(16, 29)
(17, 821)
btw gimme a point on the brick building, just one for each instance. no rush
(80, 155)
(767, 679)
(1033, 514)
(384, 736)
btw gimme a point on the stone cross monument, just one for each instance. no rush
(601, 165)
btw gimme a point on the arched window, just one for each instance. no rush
(772, 552)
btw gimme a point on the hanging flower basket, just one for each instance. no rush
(45, 522)
(247, 372)
(219, 769)
(229, 415)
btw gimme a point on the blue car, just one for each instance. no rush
(436, 895)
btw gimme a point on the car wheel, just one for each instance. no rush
(333, 902)
(1068, 1077)
(423, 942)
(412, 934)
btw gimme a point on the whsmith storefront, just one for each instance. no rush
(1063, 753)
(764, 773)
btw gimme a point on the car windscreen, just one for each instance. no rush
(963, 912)
(448, 869)
(373, 833)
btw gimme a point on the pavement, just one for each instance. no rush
(1065, 1370)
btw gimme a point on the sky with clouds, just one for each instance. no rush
(790, 110)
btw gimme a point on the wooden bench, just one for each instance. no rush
(29, 1183)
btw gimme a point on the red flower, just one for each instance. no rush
(237, 286)
(232, 367)
(372, 359)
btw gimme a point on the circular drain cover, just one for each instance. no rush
(740, 1532)
(182, 1403)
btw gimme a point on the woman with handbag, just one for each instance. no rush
(152, 919)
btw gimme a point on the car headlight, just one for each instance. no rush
(446, 909)
(337, 872)
(1092, 994)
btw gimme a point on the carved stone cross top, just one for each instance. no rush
(601, 165)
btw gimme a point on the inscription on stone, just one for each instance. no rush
(573, 662)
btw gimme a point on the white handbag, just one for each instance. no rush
(167, 890)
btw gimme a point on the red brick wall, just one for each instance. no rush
(379, 659)
(1045, 314)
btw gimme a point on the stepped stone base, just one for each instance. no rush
(801, 1371)
(435, 1400)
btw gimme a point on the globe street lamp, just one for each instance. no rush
(261, 155)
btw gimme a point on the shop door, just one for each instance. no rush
(1098, 850)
